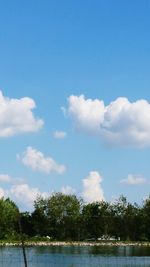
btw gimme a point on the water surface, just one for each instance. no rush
(76, 256)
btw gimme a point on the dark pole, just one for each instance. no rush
(22, 241)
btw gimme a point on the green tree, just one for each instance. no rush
(118, 210)
(39, 217)
(96, 220)
(145, 212)
(8, 218)
(61, 214)
(27, 224)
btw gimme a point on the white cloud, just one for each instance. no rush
(134, 180)
(68, 190)
(2, 192)
(92, 189)
(38, 162)
(59, 134)
(16, 116)
(86, 114)
(120, 123)
(25, 195)
(5, 178)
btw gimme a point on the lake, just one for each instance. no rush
(76, 256)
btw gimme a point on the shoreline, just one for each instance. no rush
(75, 244)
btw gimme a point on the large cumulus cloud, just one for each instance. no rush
(121, 122)
(16, 116)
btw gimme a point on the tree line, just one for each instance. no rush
(66, 217)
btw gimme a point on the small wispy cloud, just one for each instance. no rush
(5, 178)
(59, 134)
(133, 180)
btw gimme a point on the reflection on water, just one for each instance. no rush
(121, 251)
(77, 257)
(97, 250)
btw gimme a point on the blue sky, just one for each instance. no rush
(51, 50)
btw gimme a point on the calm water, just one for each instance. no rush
(77, 257)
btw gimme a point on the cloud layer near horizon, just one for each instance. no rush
(16, 116)
(23, 195)
(120, 123)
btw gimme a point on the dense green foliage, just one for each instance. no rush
(65, 217)
(8, 219)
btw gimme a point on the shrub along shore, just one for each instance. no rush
(77, 244)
